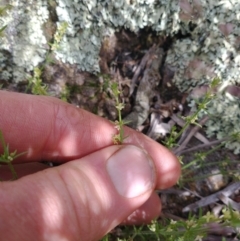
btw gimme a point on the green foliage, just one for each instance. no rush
(192, 119)
(35, 82)
(118, 138)
(65, 94)
(3, 10)
(58, 36)
(7, 157)
(195, 228)
(2, 29)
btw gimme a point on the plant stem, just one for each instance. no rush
(14, 174)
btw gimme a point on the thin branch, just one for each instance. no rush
(198, 147)
(182, 122)
(230, 189)
(192, 132)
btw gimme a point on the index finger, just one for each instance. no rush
(52, 130)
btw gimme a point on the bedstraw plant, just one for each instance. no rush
(195, 227)
(7, 157)
(35, 82)
(118, 138)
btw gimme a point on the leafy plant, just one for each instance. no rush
(118, 138)
(7, 157)
(195, 227)
(35, 82)
(58, 36)
(192, 119)
(65, 93)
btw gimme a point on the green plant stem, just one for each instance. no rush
(7, 157)
(14, 174)
(188, 122)
(121, 131)
(118, 138)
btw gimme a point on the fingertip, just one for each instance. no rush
(167, 165)
(169, 170)
(149, 211)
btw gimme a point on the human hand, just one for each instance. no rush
(98, 185)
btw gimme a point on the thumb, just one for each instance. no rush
(79, 200)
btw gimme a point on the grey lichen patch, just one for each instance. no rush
(90, 21)
(209, 28)
(224, 114)
(224, 122)
(210, 47)
(23, 38)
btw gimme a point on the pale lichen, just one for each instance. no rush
(23, 38)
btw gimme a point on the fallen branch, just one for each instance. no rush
(192, 132)
(229, 190)
(198, 147)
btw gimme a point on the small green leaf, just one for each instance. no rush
(120, 106)
(2, 29)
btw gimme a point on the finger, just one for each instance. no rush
(149, 211)
(143, 215)
(49, 129)
(79, 200)
(21, 170)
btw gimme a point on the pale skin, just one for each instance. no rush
(82, 199)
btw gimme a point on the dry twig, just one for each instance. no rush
(229, 190)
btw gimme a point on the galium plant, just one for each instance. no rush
(118, 138)
(196, 227)
(58, 36)
(7, 157)
(192, 119)
(199, 161)
(35, 82)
